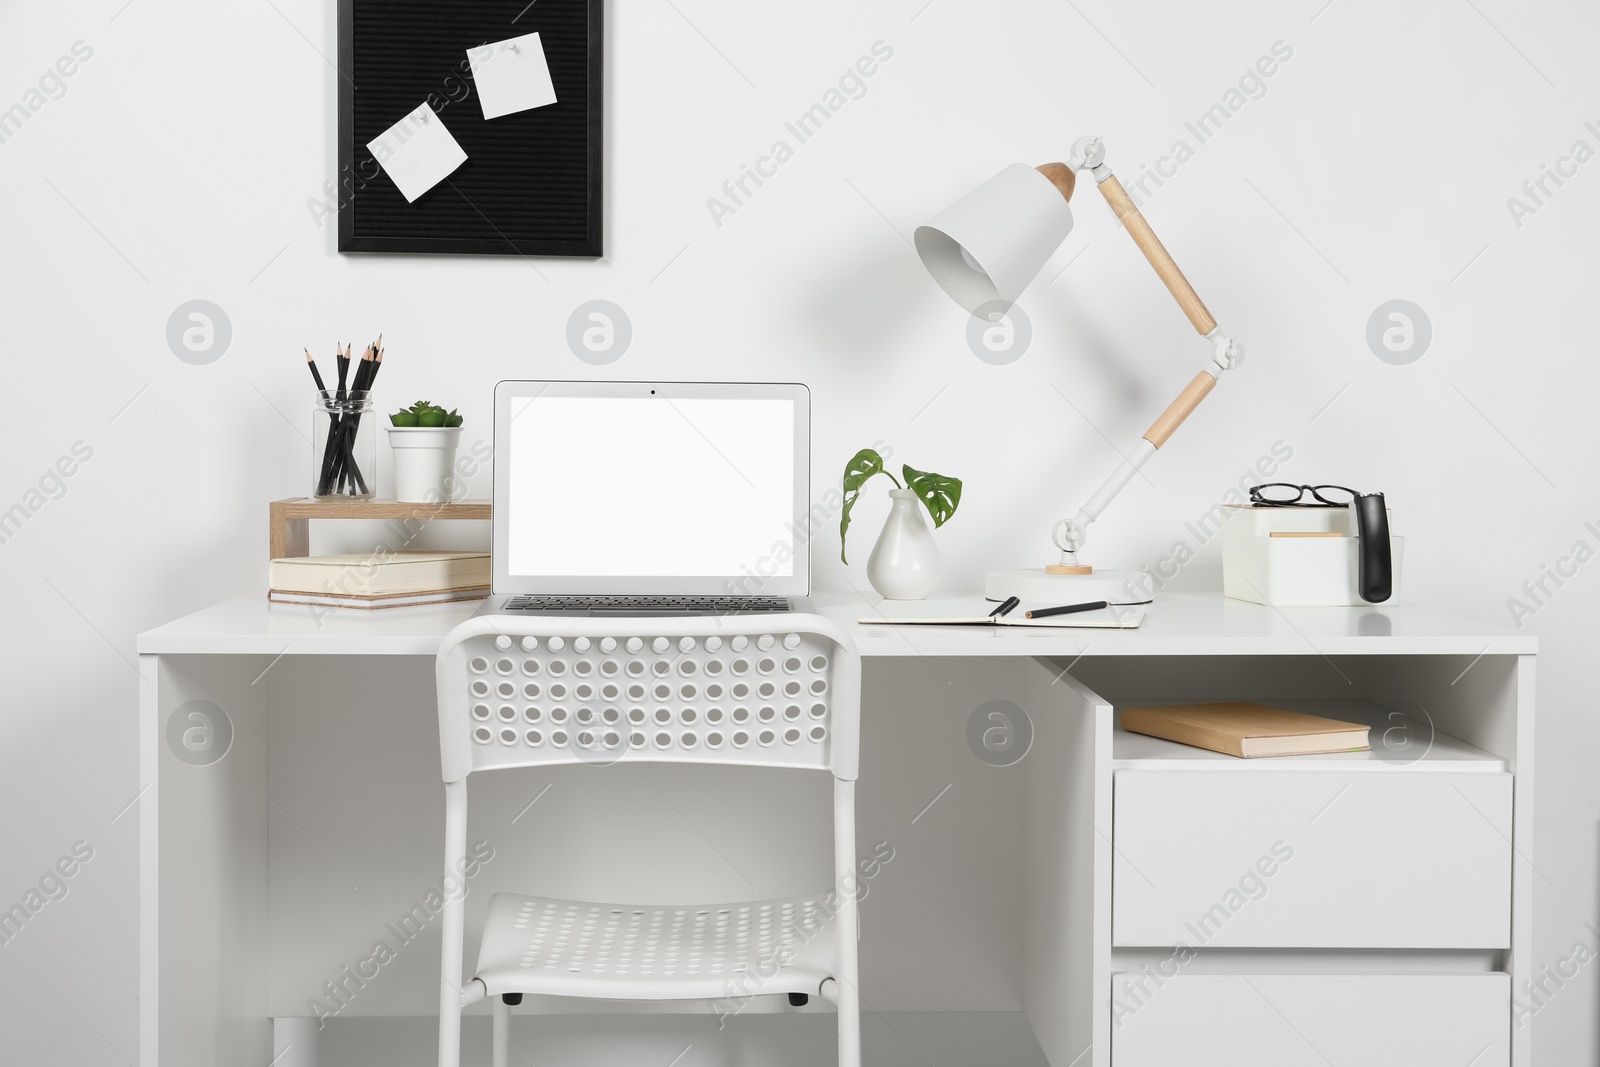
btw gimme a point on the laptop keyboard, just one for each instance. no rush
(648, 603)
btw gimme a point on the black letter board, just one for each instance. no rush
(531, 182)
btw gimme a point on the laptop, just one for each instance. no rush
(650, 499)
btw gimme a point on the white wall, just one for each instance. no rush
(1376, 164)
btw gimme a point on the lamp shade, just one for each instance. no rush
(986, 247)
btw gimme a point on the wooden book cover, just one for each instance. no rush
(1239, 728)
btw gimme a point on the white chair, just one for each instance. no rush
(770, 691)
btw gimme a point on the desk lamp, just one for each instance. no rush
(983, 250)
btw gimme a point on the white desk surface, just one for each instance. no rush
(1177, 624)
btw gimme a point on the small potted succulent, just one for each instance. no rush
(905, 563)
(423, 438)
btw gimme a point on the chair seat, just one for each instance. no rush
(574, 948)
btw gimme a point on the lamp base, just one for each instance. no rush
(1035, 586)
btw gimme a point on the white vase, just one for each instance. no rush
(905, 563)
(424, 462)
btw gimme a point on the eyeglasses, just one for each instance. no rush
(1285, 495)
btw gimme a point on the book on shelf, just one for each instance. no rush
(389, 579)
(1247, 730)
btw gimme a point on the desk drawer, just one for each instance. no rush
(1268, 858)
(1282, 1020)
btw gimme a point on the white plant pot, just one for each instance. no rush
(424, 462)
(905, 563)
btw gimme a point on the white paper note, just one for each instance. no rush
(417, 152)
(511, 76)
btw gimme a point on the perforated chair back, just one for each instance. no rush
(764, 690)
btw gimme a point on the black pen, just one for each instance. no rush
(1066, 609)
(1006, 607)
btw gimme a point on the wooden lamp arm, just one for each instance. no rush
(1226, 353)
(1194, 308)
(1167, 270)
(1181, 408)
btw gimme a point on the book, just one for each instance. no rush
(358, 574)
(975, 612)
(1240, 728)
(387, 600)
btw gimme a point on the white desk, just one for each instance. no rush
(1178, 625)
(1407, 898)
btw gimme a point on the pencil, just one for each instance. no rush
(359, 384)
(338, 447)
(324, 479)
(364, 373)
(370, 361)
(330, 448)
(374, 353)
(1066, 609)
(316, 375)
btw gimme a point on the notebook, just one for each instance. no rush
(1239, 728)
(972, 611)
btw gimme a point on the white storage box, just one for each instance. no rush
(1296, 570)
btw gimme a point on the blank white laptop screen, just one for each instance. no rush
(655, 488)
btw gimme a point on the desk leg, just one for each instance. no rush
(1522, 879)
(149, 863)
(1067, 877)
(203, 861)
(1487, 701)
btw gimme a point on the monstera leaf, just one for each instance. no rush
(862, 465)
(939, 494)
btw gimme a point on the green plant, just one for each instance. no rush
(939, 494)
(423, 413)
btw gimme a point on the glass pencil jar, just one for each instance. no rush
(344, 446)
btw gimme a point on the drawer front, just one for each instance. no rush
(1265, 858)
(1283, 1020)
